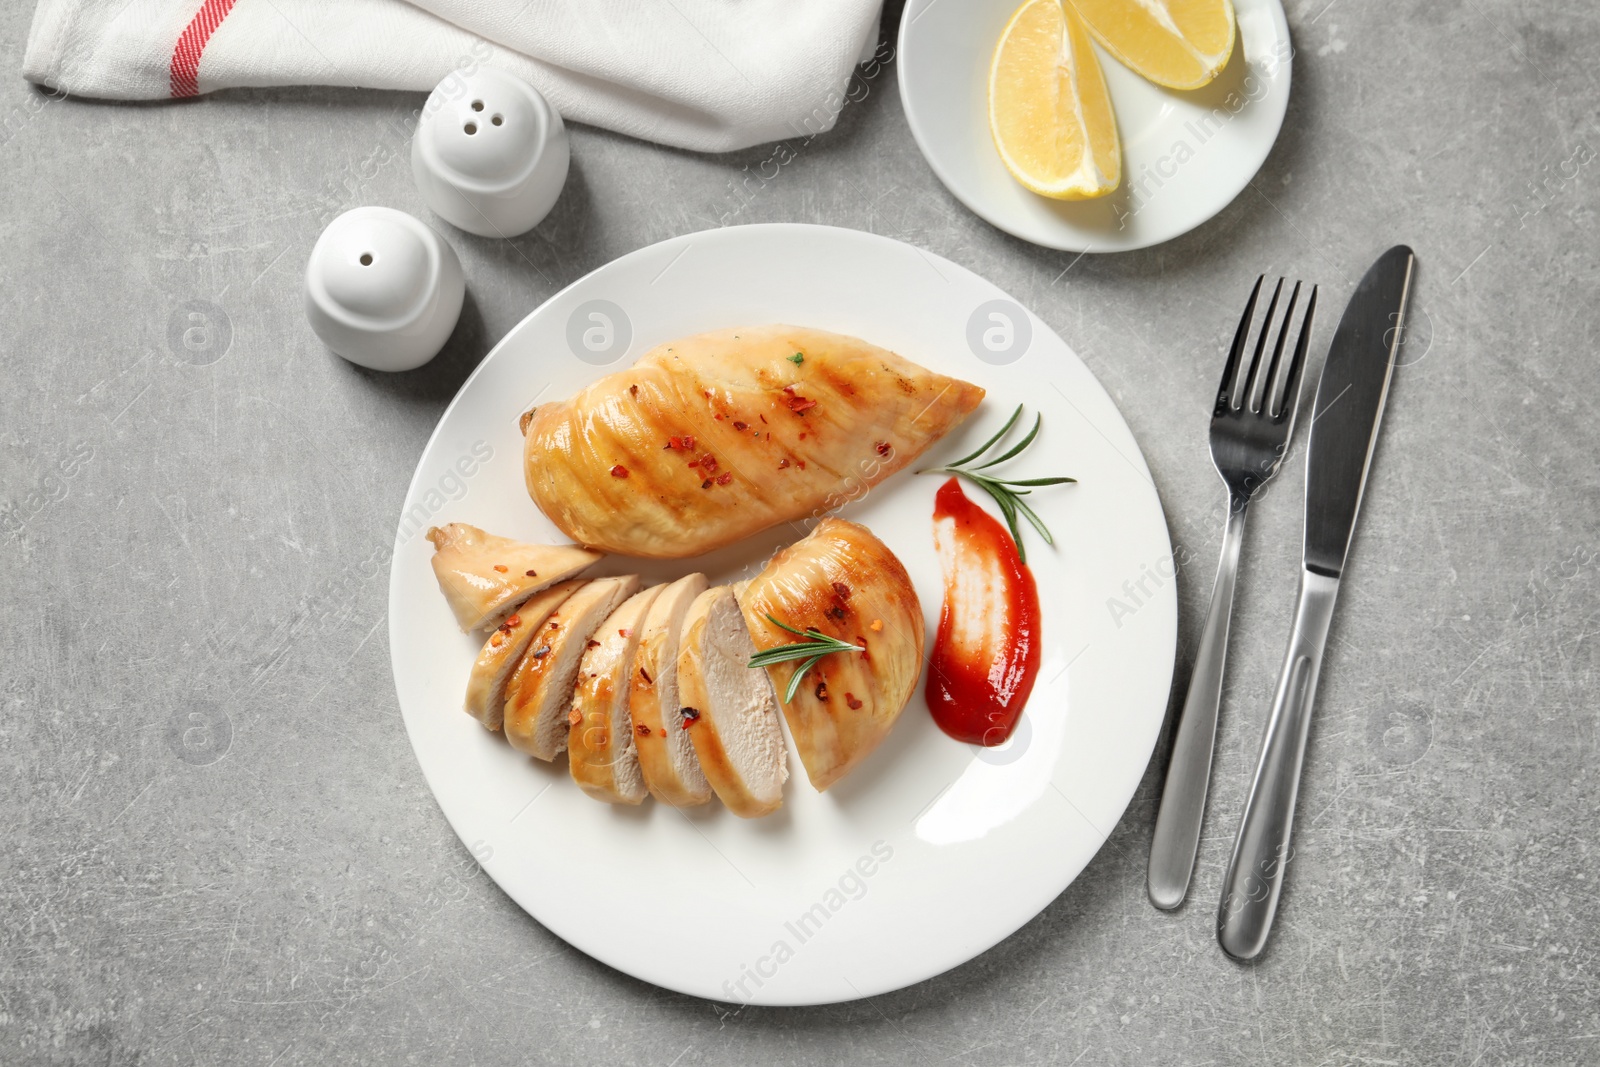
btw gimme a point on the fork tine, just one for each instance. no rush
(1269, 376)
(1247, 392)
(1292, 378)
(1225, 389)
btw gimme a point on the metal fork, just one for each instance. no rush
(1252, 423)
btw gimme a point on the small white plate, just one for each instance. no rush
(929, 852)
(1185, 155)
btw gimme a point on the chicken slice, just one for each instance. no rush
(484, 576)
(539, 694)
(666, 755)
(486, 686)
(600, 744)
(729, 709)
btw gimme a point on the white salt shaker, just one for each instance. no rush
(490, 154)
(382, 289)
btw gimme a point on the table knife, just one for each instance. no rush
(1344, 428)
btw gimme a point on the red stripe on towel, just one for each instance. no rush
(192, 43)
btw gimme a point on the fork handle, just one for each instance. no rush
(1183, 797)
(1262, 851)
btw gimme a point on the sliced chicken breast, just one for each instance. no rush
(729, 710)
(484, 576)
(844, 582)
(600, 745)
(666, 755)
(539, 694)
(486, 686)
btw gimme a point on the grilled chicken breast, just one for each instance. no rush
(845, 583)
(712, 438)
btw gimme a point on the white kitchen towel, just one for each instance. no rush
(712, 75)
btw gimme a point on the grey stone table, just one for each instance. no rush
(218, 847)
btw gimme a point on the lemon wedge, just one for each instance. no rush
(1048, 106)
(1181, 44)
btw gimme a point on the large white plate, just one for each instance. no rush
(931, 851)
(1186, 155)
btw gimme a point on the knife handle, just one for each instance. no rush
(1262, 851)
(1176, 839)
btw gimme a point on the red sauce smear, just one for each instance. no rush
(986, 656)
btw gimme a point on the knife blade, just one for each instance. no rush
(1349, 408)
(1346, 414)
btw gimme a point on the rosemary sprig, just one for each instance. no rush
(816, 645)
(1007, 492)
